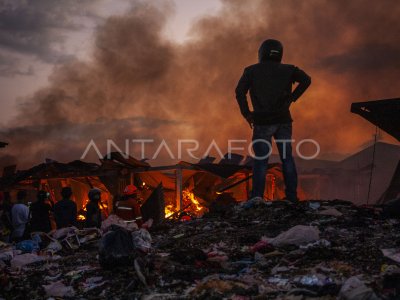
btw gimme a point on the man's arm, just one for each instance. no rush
(303, 81)
(241, 91)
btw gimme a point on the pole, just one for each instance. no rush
(372, 164)
(178, 188)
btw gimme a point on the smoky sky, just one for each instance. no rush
(37, 29)
(186, 91)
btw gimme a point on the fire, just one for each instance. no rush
(192, 198)
(169, 210)
(190, 202)
(103, 207)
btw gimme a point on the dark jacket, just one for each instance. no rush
(65, 213)
(40, 216)
(93, 215)
(270, 85)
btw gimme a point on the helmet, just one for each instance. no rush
(130, 190)
(94, 194)
(270, 50)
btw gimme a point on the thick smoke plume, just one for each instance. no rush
(141, 85)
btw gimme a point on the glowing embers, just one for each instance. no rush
(191, 205)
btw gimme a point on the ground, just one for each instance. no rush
(226, 254)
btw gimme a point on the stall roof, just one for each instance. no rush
(117, 159)
(382, 113)
(56, 169)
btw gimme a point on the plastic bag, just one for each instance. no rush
(59, 289)
(297, 235)
(29, 246)
(115, 220)
(142, 240)
(355, 289)
(25, 259)
(116, 248)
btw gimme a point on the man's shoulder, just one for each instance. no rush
(253, 66)
(267, 65)
(288, 66)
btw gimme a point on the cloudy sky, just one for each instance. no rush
(36, 36)
(74, 71)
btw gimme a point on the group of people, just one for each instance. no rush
(18, 220)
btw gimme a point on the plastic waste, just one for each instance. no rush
(262, 244)
(314, 280)
(25, 259)
(392, 253)
(29, 246)
(142, 240)
(355, 289)
(59, 289)
(115, 220)
(314, 205)
(297, 235)
(331, 212)
(63, 232)
(53, 247)
(116, 248)
(319, 243)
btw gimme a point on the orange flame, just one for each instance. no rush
(169, 210)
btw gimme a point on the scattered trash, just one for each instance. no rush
(355, 289)
(224, 254)
(319, 243)
(115, 220)
(142, 240)
(92, 283)
(393, 254)
(29, 246)
(58, 289)
(25, 259)
(314, 205)
(330, 212)
(297, 235)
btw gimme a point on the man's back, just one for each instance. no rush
(19, 216)
(40, 216)
(65, 213)
(270, 86)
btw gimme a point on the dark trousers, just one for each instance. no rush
(262, 136)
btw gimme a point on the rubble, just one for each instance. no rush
(266, 250)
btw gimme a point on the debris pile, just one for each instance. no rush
(257, 250)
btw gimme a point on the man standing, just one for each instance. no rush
(65, 210)
(40, 212)
(270, 85)
(93, 211)
(19, 216)
(128, 208)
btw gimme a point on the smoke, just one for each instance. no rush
(139, 84)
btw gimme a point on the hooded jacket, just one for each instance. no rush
(270, 85)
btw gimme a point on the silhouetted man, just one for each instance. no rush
(65, 210)
(40, 212)
(270, 85)
(19, 216)
(93, 211)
